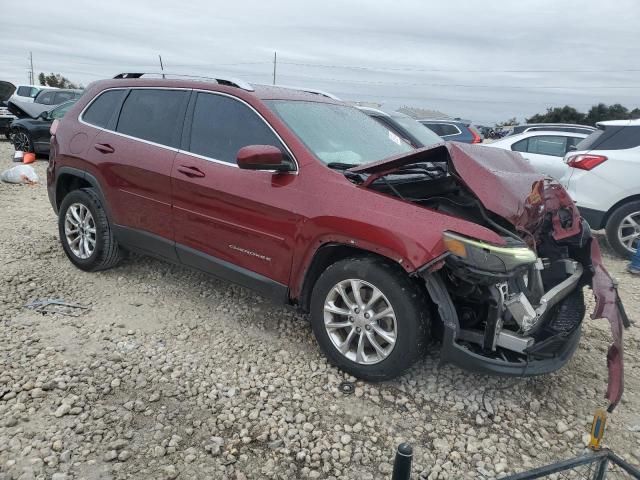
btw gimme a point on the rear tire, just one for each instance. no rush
(623, 236)
(85, 232)
(366, 349)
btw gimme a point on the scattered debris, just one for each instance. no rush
(20, 174)
(55, 305)
(347, 388)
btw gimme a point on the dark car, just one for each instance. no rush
(6, 117)
(405, 127)
(556, 127)
(32, 134)
(57, 97)
(314, 204)
(456, 130)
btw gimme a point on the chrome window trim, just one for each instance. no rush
(186, 152)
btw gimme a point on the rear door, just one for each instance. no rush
(233, 223)
(136, 160)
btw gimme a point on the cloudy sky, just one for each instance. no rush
(486, 61)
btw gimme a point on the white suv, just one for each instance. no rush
(604, 180)
(27, 93)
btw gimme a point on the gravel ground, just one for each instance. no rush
(173, 374)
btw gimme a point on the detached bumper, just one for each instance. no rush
(464, 358)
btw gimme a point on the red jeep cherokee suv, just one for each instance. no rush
(311, 202)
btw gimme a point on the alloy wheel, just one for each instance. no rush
(629, 231)
(20, 141)
(360, 321)
(80, 230)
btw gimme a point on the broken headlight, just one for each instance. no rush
(487, 256)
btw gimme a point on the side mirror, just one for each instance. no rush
(572, 148)
(262, 157)
(44, 115)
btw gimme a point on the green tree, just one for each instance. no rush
(56, 80)
(564, 114)
(635, 113)
(601, 112)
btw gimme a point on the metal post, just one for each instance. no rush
(31, 80)
(275, 62)
(161, 66)
(402, 463)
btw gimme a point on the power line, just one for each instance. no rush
(442, 70)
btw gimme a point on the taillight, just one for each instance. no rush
(54, 127)
(586, 162)
(476, 138)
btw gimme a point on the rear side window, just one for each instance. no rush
(548, 145)
(102, 109)
(221, 126)
(443, 129)
(61, 97)
(154, 115)
(46, 98)
(27, 91)
(613, 138)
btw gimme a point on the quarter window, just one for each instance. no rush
(154, 115)
(221, 126)
(27, 91)
(102, 109)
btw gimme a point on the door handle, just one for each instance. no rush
(190, 171)
(104, 148)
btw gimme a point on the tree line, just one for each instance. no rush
(597, 113)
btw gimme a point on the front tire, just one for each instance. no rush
(85, 232)
(623, 229)
(21, 140)
(369, 318)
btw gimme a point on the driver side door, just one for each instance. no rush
(235, 224)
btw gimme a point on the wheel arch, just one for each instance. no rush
(69, 179)
(620, 203)
(324, 256)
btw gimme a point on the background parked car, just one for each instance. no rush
(456, 130)
(405, 127)
(32, 134)
(27, 93)
(556, 127)
(604, 179)
(57, 97)
(6, 117)
(544, 150)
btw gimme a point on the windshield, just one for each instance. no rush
(339, 133)
(423, 134)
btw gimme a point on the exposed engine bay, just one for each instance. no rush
(515, 308)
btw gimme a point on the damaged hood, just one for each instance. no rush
(27, 109)
(508, 186)
(6, 90)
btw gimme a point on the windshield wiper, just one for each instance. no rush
(341, 166)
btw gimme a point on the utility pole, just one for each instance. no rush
(161, 66)
(31, 74)
(275, 62)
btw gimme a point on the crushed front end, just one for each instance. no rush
(514, 308)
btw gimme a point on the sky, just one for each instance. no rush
(484, 61)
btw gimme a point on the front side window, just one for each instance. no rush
(339, 133)
(221, 126)
(103, 108)
(154, 115)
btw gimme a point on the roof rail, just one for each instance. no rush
(309, 90)
(228, 81)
